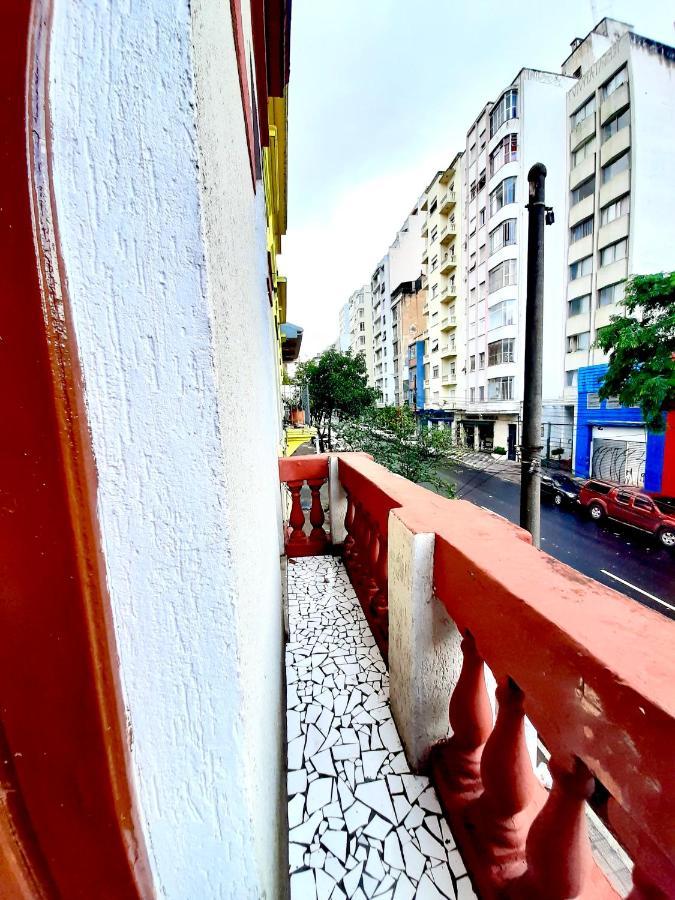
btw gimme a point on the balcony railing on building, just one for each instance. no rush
(448, 588)
(446, 202)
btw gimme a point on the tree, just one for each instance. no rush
(338, 386)
(395, 440)
(641, 347)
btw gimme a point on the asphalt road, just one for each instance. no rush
(622, 558)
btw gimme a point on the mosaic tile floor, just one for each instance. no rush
(361, 825)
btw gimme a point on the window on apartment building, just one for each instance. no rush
(582, 230)
(434, 232)
(505, 152)
(614, 252)
(504, 193)
(503, 235)
(503, 274)
(472, 261)
(472, 296)
(434, 290)
(481, 217)
(472, 226)
(502, 351)
(579, 342)
(362, 326)
(482, 293)
(612, 293)
(395, 348)
(583, 112)
(433, 205)
(434, 372)
(472, 190)
(472, 364)
(615, 210)
(362, 341)
(620, 164)
(481, 181)
(571, 378)
(500, 388)
(434, 347)
(483, 139)
(616, 123)
(578, 305)
(472, 152)
(481, 360)
(434, 263)
(614, 83)
(481, 253)
(506, 108)
(581, 267)
(582, 152)
(472, 394)
(452, 369)
(585, 189)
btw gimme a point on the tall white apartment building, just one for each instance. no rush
(524, 125)
(402, 263)
(360, 306)
(621, 186)
(442, 264)
(343, 342)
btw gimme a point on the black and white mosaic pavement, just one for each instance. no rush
(361, 825)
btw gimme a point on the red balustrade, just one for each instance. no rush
(591, 669)
(295, 472)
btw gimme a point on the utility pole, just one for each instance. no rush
(530, 451)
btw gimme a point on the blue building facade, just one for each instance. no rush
(611, 440)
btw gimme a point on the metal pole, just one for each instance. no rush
(530, 454)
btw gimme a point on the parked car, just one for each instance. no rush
(648, 512)
(560, 487)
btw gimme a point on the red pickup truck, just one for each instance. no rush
(648, 512)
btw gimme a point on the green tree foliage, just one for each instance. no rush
(394, 438)
(338, 387)
(641, 347)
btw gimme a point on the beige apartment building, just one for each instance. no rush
(441, 261)
(620, 137)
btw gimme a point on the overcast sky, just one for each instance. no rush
(381, 95)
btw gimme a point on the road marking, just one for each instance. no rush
(633, 587)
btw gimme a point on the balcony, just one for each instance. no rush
(449, 379)
(448, 350)
(448, 263)
(448, 322)
(425, 309)
(448, 233)
(449, 293)
(409, 601)
(447, 201)
(425, 227)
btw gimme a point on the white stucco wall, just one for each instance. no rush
(163, 245)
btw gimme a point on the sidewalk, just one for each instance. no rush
(506, 469)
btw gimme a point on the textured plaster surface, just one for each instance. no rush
(361, 824)
(187, 490)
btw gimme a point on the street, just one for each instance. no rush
(622, 558)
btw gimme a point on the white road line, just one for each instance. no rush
(633, 587)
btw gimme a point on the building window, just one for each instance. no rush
(434, 232)
(582, 152)
(571, 378)
(481, 181)
(362, 340)
(614, 83)
(503, 235)
(501, 352)
(579, 305)
(481, 217)
(500, 388)
(593, 401)
(472, 394)
(433, 205)
(481, 393)
(582, 230)
(472, 364)
(481, 360)
(503, 313)
(583, 112)
(581, 267)
(614, 252)
(434, 263)
(434, 372)
(434, 290)
(621, 120)
(504, 193)
(506, 108)
(615, 210)
(362, 326)
(620, 164)
(505, 152)
(585, 189)
(613, 293)
(579, 342)
(503, 274)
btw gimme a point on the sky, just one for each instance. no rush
(381, 95)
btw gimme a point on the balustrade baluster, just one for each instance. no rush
(559, 857)
(296, 519)
(316, 514)
(457, 760)
(381, 599)
(369, 583)
(349, 528)
(511, 796)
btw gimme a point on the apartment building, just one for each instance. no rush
(360, 307)
(401, 264)
(343, 342)
(409, 301)
(443, 382)
(525, 124)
